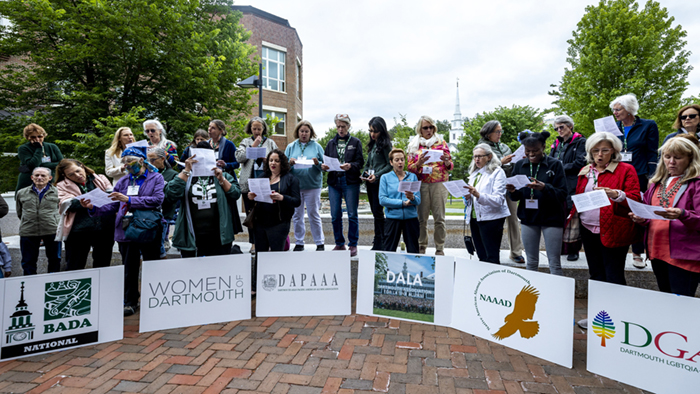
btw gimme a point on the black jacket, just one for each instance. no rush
(572, 155)
(289, 188)
(551, 210)
(353, 155)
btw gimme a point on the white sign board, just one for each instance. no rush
(525, 310)
(652, 342)
(194, 291)
(303, 284)
(50, 312)
(405, 286)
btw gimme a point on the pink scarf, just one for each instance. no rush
(67, 190)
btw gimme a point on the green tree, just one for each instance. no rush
(618, 48)
(401, 133)
(513, 121)
(91, 60)
(443, 128)
(362, 135)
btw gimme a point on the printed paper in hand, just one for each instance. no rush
(408, 186)
(142, 143)
(97, 197)
(456, 188)
(332, 162)
(261, 188)
(433, 155)
(256, 153)
(591, 200)
(519, 181)
(519, 153)
(607, 124)
(645, 211)
(206, 160)
(303, 164)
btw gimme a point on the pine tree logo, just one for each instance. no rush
(603, 327)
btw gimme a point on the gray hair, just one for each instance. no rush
(159, 126)
(249, 125)
(488, 128)
(628, 101)
(564, 119)
(601, 136)
(129, 158)
(48, 171)
(493, 163)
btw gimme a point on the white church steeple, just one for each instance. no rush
(457, 130)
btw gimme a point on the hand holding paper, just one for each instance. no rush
(519, 181)
(407, 186)
(206, 161)
(457, 188)
(261, 188)
(591, 200)
(519, 153)
(645, 211)
(332, 162)
(255, 153)
(607, 124)
(97, 197)
(433, 156)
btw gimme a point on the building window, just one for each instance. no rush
(273, 71)
(279, 127)
(298, 80)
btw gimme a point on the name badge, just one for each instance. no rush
(626, 156)
(46, 159)
(133, 190)
(370, 172)
(203, 204)
(427, 170)
(531, 204)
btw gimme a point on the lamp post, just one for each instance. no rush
(255, 82)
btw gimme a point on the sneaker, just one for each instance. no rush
(130, 310)
(518, 259)
(299, 248)
(572, 257)
(339, 247)
(320, 248)
(638, 262)
(353, 251)
(583, 323)
(439, 253)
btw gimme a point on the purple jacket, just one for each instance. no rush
(150, 197)
(684, 232)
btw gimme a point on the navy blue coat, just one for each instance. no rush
(643, 142)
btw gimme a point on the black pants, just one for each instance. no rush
(78, 247)
(392, 234)
(29, 246)
(672, 279)
(378, 213)
(131, 258)
(268, 238)
(487, 237)
(207, 245)
(248, 205)
(604, 264)
(638, 248)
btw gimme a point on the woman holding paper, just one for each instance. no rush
(542, 203)
(378, 164)
(486, 207)
(79, 230)
(199, 136)
(430, 159)
(113, 156)
(155, 132)
(252, 168)
(225, 149)
(310, 177)
(672, 244)
(400, 207)
(204, 226)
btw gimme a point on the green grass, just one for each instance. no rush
(456, 203)
(403, 315)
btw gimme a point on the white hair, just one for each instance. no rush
(48, 171)
(493, 163)
(601, 136)
(564, 119)
(159, 126)
(628, 101)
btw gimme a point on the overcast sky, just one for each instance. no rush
(380, 58)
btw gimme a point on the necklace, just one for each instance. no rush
(665, 197)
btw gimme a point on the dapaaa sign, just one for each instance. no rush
(646, 344)
(303, 284)
(44, 313)
(194, 291)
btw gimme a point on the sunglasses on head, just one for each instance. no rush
(684, 117)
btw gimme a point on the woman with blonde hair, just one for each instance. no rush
(113, 156)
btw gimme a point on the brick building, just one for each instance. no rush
(280, 50)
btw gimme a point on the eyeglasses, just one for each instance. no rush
(559, 128)
(618, 109)
(684, 117)
(603, 151)
(477, 157)
(149, 131)
(428, 128)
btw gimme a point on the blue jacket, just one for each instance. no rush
(309, 178)
(643, 142)
(227, 153)
(674, 134)
(392, 199)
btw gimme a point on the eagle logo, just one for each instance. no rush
(521, 317)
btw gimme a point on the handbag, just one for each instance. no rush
(468, 240)
(571, 240)
(142, 226)
(248, 222)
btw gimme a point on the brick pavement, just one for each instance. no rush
(309, 355)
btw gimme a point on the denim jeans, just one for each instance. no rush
(552, 243)
(351, 193)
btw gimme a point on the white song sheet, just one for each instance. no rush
(408, 186)
(433, 155)
(457, 188)
(142, 143)
(591, 200)
(645, 211)
(206, 160)
(332, 162)
(519, 153)
(519, 181)
(606, 124)
(302, 164)
(256, 153)
(97, 197)
(261, 188)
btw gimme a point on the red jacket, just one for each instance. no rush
(616, 228)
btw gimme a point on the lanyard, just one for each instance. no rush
(476, 181)
(626, 132)
(534, 175)
(203, 182)
(303, 147)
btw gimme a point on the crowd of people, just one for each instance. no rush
(404, 304)
(153, 188)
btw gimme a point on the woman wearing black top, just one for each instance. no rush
(377, 165)
(542, 203)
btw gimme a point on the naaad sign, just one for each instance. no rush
(524, 310)
(45, 313)
(303, 284)
(194, 291)
(405, 286)
(644, 338)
